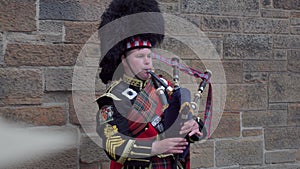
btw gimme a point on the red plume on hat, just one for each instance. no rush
(125, 25)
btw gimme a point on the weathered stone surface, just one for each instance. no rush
(264, 118)
(33, 38)
(193, 18)
(271, 13)
(170, 8)
(41, 55)
(293, 64)
(56, 97)
(39, 116)
(266, 3)
(242, 152)
(247, 46)
(246, 97)
(252, 132)
(284, 87)
(51, 27)
(90, 151)
(58, 79)
(201, 6)
(178, 48)
(256, 77)
(280, 156)
(1, 50)
(229, 126)
(276, 26)
(273, 166)
(72, 10)
(295, 30)
(279, 138)
(286, 42)
(95, 165)
(294, 114)
(18, 15)
(287, 4)
(278, 106)
(265, 66)
(221, 24)
(201, 154)
(240, 8)
(233, 71)
(280, 54)
(20, 86)
(78, 32)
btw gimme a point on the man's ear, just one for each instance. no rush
(123, 59)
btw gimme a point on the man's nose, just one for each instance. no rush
(147, 60)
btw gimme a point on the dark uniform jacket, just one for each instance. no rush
(124, 124)
(129, 120)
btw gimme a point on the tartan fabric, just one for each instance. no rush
(162, 163)
(144, 108)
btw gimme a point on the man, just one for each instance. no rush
(131, 118)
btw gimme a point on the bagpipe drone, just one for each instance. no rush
(188, 108)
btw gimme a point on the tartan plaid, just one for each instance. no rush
(162, 163)
(144, 108)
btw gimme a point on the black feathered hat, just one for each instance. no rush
(127, 24)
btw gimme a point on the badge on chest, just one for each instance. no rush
(129, 93)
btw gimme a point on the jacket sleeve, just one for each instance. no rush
(117, 140)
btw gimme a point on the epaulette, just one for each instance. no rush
(108, 91)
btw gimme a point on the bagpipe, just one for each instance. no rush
(178, 107)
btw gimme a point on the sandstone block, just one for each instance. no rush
(286, 4)
(20, 86)
(279, 138)
(256, 77)
(265, 66)
(41, 55)
(284, 156)
(264, 118)
(284, 87)
(275, 26)
(72, 10)
(221, 24)
(77, 32)
(271, 13)
(286, 42)
(274, 166)
(58, 79)
(229, 125)
(252, 132)
(201, 6)
(294, 114)
(51, 27)
(246, 97)
(201, 155)
(18, 15)
(237, 46)
(293, 64)
(240, 8)
(39, 116)
(239, 152)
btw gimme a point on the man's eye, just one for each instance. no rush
(151, 55)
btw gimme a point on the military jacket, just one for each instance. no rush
(126, 111)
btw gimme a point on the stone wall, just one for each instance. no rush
(258, 42)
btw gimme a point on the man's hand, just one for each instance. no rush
(169, 146)
(191, 127)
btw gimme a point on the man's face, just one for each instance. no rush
(140, 61)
